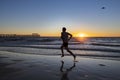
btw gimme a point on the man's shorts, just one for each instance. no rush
(65, 44)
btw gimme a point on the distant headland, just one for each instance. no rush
(18, 35)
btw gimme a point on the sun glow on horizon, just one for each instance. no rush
(81, 35)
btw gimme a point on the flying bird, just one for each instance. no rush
(103, 8)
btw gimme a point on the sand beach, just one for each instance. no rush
(21, 66)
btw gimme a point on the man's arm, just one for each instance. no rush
(61, 36)
(70, 36)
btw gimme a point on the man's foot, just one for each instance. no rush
(74, 57)
(62, 62)
(62, 55)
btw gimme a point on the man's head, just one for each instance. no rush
(63, 29)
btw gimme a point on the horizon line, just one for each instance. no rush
(51, 35)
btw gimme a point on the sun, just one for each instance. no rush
(81, 35)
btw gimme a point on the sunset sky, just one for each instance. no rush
(47, 17)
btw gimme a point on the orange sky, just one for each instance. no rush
(47, 17)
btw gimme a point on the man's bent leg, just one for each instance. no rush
(62, 51)
(70, 52)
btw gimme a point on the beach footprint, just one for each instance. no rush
(102, 65)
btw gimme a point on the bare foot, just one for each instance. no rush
(62, 55)
(74, 58)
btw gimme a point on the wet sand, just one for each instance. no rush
(17, 66)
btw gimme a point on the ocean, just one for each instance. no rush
(91, 46)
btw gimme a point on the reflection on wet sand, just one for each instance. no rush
(64, 72)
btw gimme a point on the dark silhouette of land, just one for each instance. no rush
(18, 35)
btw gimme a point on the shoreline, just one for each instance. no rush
(55, 52)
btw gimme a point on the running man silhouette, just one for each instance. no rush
(65, 36)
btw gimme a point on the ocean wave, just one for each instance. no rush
(51, 51)
(104, 44)
(57, 53)
(59, 43)
(72, 48)
(86, 49)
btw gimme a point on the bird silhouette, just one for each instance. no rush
(103, 8)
